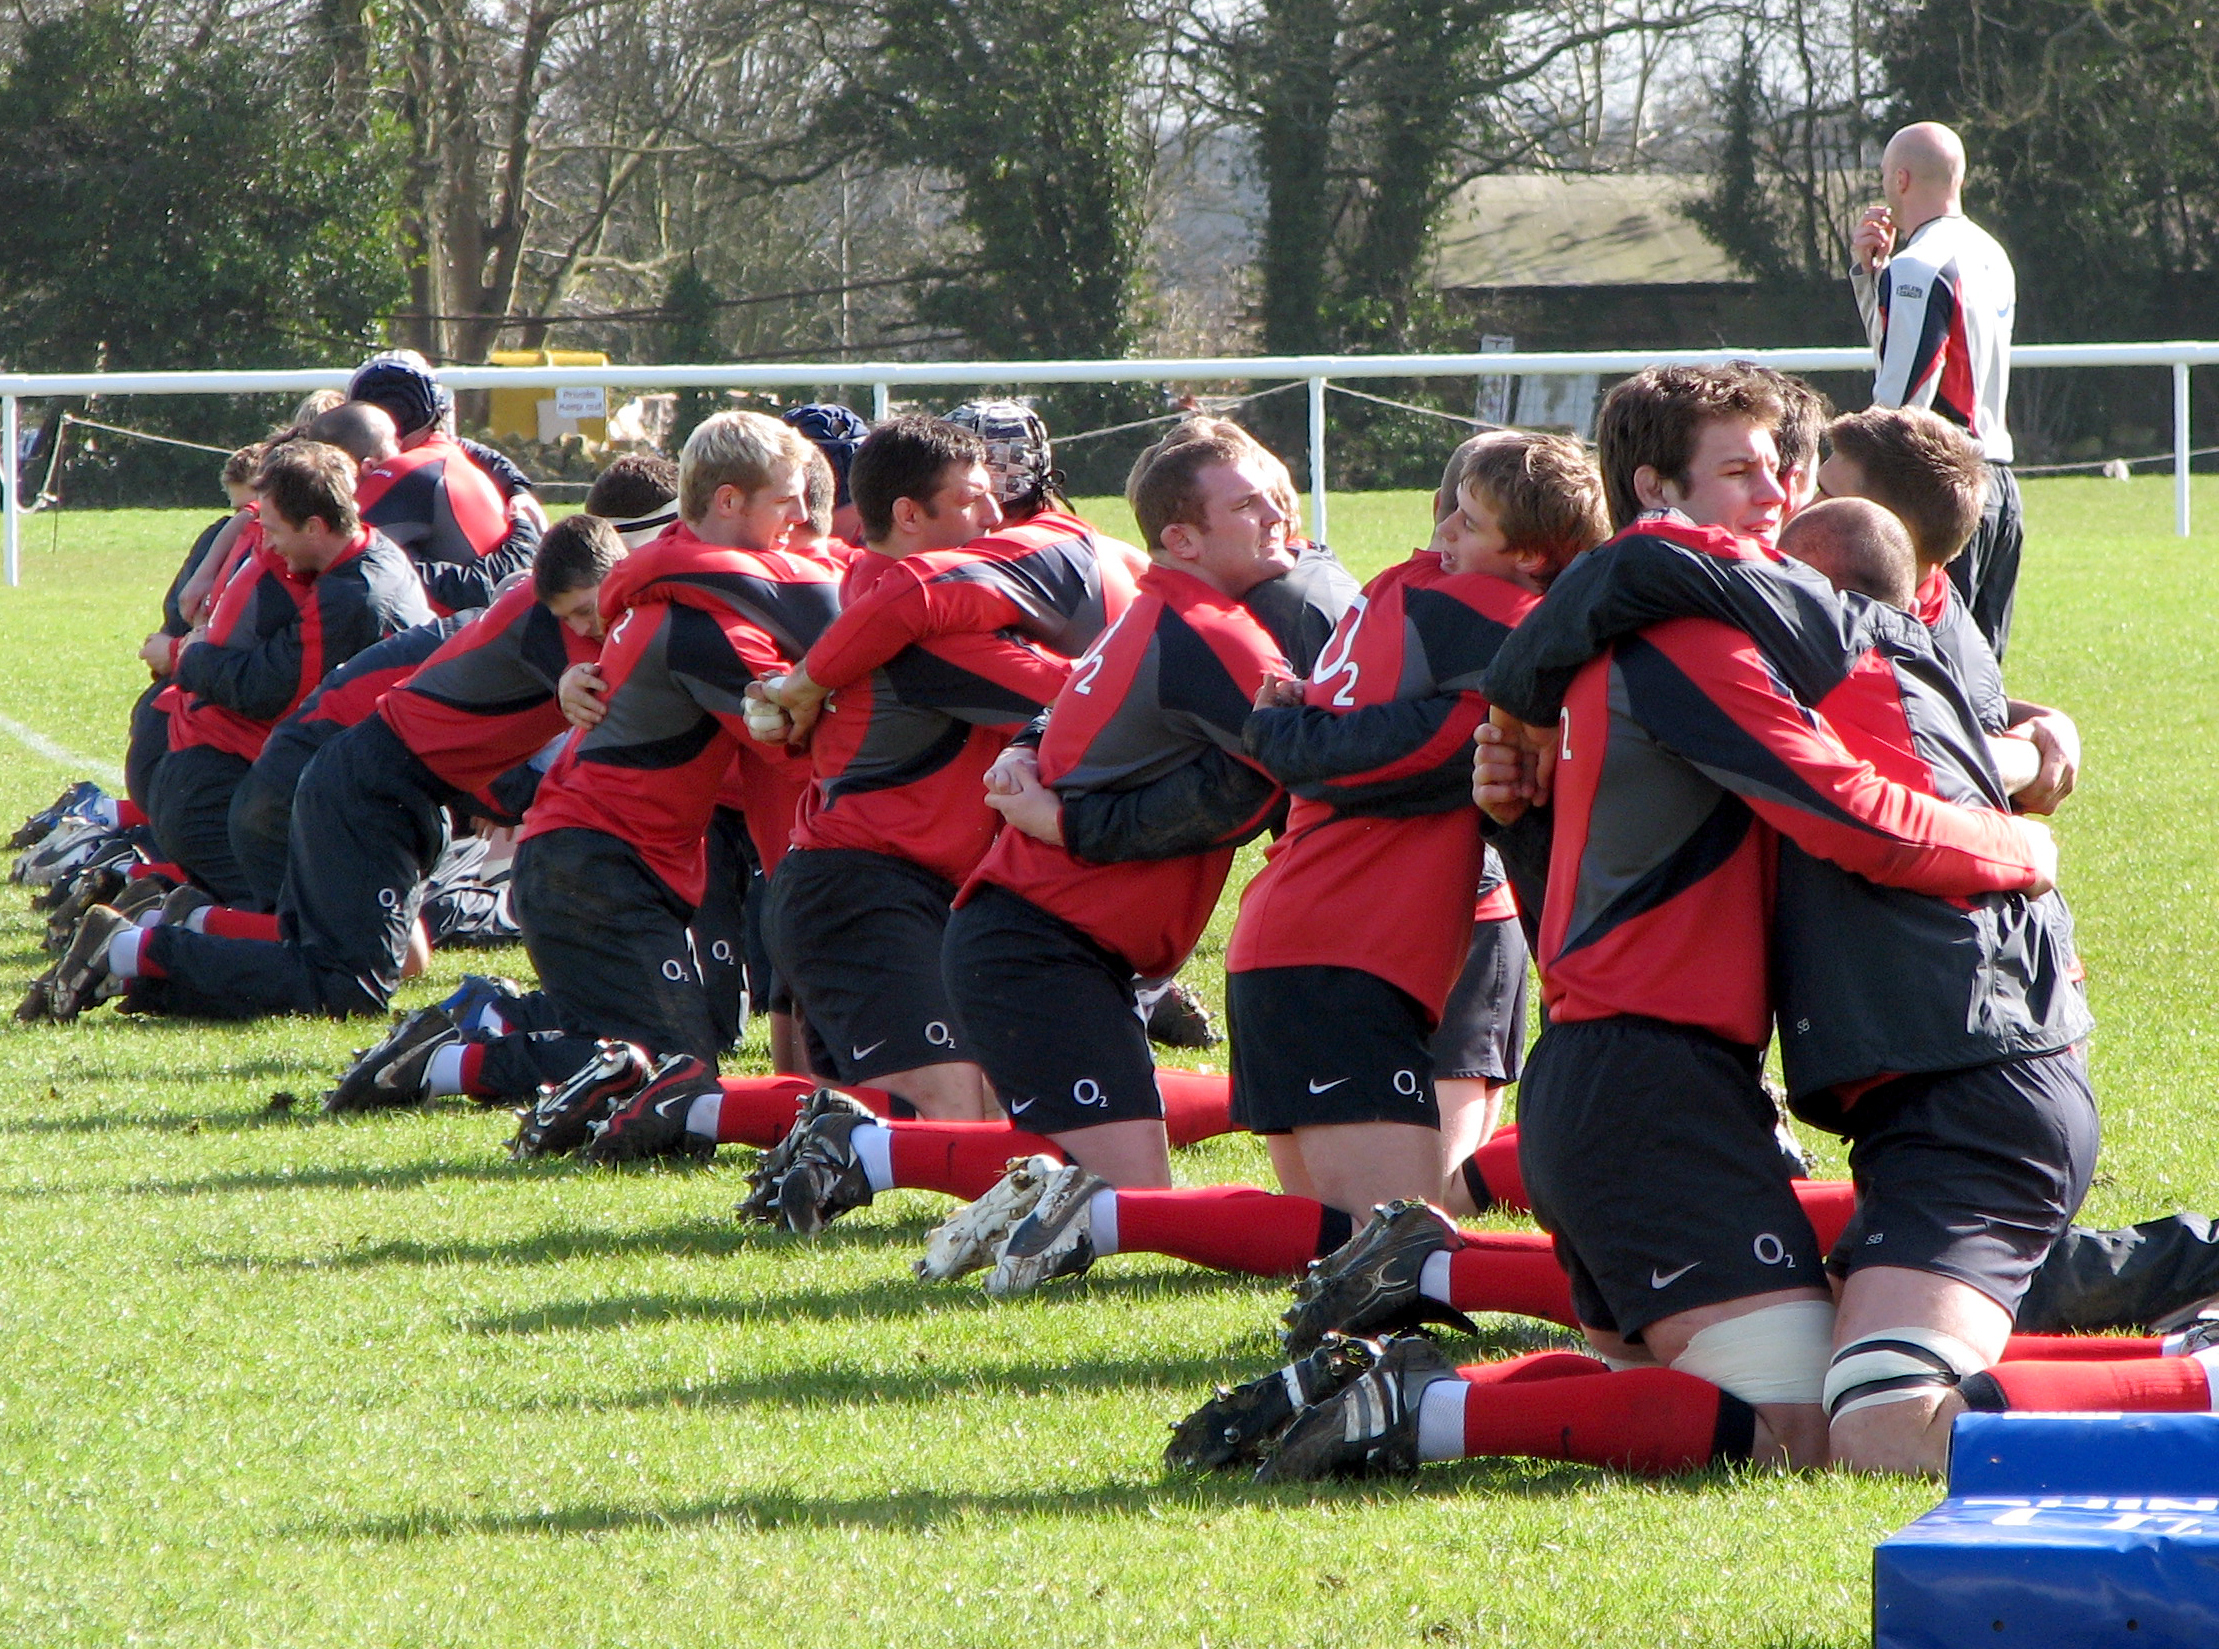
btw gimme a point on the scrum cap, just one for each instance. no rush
(1017, 452)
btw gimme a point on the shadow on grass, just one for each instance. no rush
(922, 1512)
(160, 1122)
(896, 1296)
(706, 1236)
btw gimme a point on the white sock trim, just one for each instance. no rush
(1433, 1276)
(873, 1144)
(123, 953)
(704, 1114)
(1101, 1221)
(196, 920)
(443, 1075)
(1441, 1418)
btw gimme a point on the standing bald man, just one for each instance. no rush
(1938, 297)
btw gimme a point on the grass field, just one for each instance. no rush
(277, 1380)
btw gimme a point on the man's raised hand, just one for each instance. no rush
(1873, 241)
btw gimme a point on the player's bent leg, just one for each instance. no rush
(952, 1092)
(1904, 1341)
(1770, 1351)
(1356, 1166)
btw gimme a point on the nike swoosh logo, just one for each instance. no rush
(663, 1109)
(865, 1053)
(1665, 1279)
(1322, 1087)
(1018, 1106)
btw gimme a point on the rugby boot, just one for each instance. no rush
(824, 1177)
(141, 896)
(83, 970)
(561, 1115)
(651, 1122)
(96, 884)
(1239, 1424)
(761, 1202)
(966, 1240)
(1367, 1429)
(395, 1071)
(476, 993)
(1055, 1240)
(60, 856)
(1177, 1019)
(1369, 1285)
(179, 903)
(77, 799)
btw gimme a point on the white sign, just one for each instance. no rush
(576, 401)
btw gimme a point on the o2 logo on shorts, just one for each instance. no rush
(389, 898)
(1770, 1250)
(1406, 1084)
(675, 971)
(722, 950)
(938, 1034)
(1087, 1091)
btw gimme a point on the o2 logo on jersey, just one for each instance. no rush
(1770, 1250)
(722, 950)
(938, 1034)
(675, 971)
(1337, 659)
(1087, 1091)
(1406, 1084)
(1090, 663)
(1564, 729)
(389, 898)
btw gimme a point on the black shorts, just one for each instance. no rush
(611, 943)
(1315, 1046)
(1970, 1174)
(856, 937)
(1482, 1034)
(1050, 1015)
(1649, 1153)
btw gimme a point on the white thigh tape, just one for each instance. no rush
(1894, 1366)
(1776, 1355)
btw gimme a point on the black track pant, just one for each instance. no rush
(149, 743)
(720, 925)
(368, 824)
(615, 959)
(462, 904)
(189, 805)
(2095, 1281)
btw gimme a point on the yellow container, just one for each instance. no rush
(549, 414)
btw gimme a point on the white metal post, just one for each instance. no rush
(2180, 448)
(882, 402)
(12, 506)
(1317, 460)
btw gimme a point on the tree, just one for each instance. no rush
(173, 208)
(690, 339)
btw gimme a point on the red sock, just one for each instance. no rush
(1196, 1105)
(1539, 1365)
(222, 922)
(1225, 1227)
(760, 1110)
(473, 1068)
(2080, 1348)
(1496, 1165)
(964, 1159)
(1513, 1271)
(1827, 1204)
(129, 815)
(2170, 1385)
(1649, 1420)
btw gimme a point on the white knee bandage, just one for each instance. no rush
(1894, 1366)
(1776, 1355)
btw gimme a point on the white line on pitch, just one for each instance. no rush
(112, 777)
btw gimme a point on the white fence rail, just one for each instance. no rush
(887, 376)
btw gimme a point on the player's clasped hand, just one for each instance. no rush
(766, 721)
(1512, 768)
(580, 692)
(1279, 693)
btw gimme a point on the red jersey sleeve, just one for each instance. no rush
(1705, 693)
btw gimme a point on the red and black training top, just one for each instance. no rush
(930, 688)
(275, 634)
(1174, 676)
(691, 625)
(452, 519)
(1381, 863)
(1869, 980)
(484, 702)
(348, 695)
(1661, 877)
